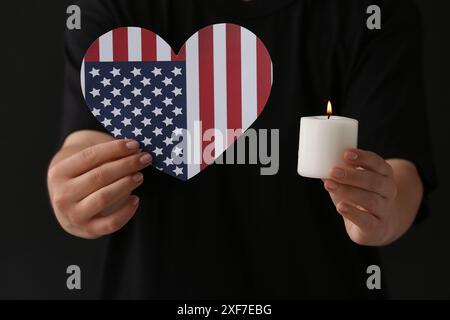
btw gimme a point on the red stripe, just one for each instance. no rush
(234, 94)
(148, 40)
(263, 74)
(93, 53)
(120, 44)
(206, 82)
(181, 56)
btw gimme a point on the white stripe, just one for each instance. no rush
(220, 87)
(82, 79)
(163, 50)
(106, 47)
(193, 150)
(271, 72)
(248, 73)
(134, 44)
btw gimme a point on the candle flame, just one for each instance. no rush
(329, 109)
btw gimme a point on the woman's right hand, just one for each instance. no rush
(90, 185)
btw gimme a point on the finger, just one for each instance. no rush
(115, 221)
(363, 220)
(367, 160)
(363, 179)
(96, 155)
(107, 173)
(370, 201)
(109, 195)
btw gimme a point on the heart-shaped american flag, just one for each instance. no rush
(185, 109)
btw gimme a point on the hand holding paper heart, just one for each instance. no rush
(90, 182)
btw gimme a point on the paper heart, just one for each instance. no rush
(182, 107)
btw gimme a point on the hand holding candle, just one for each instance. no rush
(364, 190)
(361, 183)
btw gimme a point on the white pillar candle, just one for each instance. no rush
(322, 142)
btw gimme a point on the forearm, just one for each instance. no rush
(408, 198)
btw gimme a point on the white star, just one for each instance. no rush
(177, 111)
(95, 72)
(177, 91)
(168, 141)
(177, 151)
(178, 171)
(168, 161)
(157, 151)
(167, 101)
(145, 82)
(157, 92)
(116, 132)
(176, 71)
(137, 132)
(156, 71)
(146, 102)
(147, 141)
(136, 112)
(106, 82)
(95, 92)
(177, 131)
(115, 92)
(157, 111)
(106, 122)
(126, 102)
(146, 122)
(106, 102)
(126, 122)
(96, 112)
(136, 72)
(136, 92)
(168, 121)
(125, 82)
(116, 112)
(157, 131)
(167, 81)
(115, 72)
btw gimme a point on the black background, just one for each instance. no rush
(34, 251)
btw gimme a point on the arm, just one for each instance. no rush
(408, 200)
(90, 181)
(377, 199)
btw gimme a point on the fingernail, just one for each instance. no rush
(338, 173)
(344, 208)
(132, 145)
(350, 155)
(135, 201)
(146, 159)
(330, 185)
(138, 177)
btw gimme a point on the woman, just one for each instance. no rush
(229, 232)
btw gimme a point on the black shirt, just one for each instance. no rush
(230, 232)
